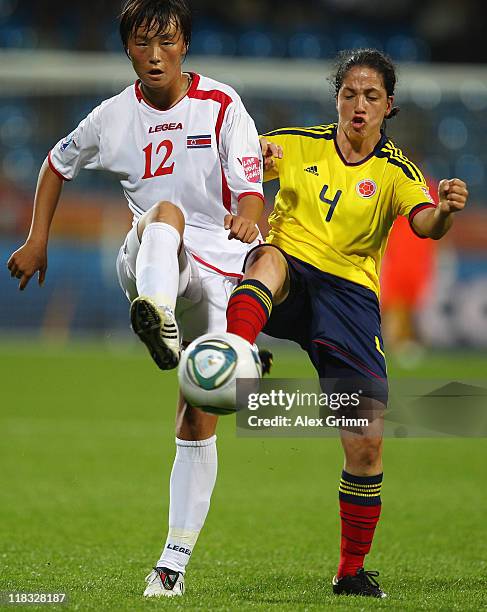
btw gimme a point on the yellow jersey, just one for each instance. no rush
(337, 215)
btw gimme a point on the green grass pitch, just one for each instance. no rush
(87, 443)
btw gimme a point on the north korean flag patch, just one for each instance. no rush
(200, 141)
(251, 166)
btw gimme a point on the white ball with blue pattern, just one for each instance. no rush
(209, 369)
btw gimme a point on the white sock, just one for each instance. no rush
(192, 480)
(157, 268)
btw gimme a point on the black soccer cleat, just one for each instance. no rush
(266, 359)
(363, 583)
(158, 330)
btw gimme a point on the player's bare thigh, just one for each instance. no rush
(162, 212)
(268, 265)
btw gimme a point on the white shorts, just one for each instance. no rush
(202, 295)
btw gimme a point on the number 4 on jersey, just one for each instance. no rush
(332, 203)
(162, 169)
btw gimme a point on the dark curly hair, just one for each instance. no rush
(372, 58)
(158, 14)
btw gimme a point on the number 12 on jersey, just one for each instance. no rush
(332, 203)
(162, 169)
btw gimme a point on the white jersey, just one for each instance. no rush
(202, 154)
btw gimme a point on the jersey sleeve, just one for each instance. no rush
(80, 149)
(411, 193)
(240, 153)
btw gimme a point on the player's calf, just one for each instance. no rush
(265, 283)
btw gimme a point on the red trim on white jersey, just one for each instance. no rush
(226, 193)
(224, 100)
(251, 193)
(212, 94)
(140, 96)
(138, 92)
(54, 169)
(215, 269)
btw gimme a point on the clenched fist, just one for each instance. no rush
(452, 194)
(241, 228)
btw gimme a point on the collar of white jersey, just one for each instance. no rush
(195, 79)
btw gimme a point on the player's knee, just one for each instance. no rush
(268, 265)
(167, 212)
(368, 453)
(264, 257)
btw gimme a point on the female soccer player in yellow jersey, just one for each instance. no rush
(316, 280)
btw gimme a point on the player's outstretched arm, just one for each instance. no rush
(31, 257)
(243, 226)
(435, 222)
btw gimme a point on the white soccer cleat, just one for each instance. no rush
(164, 582)
(158, 330)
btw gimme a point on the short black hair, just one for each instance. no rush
(372, 58)
(160, 14)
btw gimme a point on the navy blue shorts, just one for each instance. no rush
(337, 322)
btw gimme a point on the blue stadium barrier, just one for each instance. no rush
(81, 292)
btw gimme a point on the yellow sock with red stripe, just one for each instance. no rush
(360, 507)
(248, 309)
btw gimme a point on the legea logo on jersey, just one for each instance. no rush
(251, 166)
(164, 127)
(366, 188)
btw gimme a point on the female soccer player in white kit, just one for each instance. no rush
(188, 158)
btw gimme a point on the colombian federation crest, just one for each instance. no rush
(366, 188)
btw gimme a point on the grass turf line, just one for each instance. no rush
(87, 448)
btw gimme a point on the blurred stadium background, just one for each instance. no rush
(87, 427)
(58, 61)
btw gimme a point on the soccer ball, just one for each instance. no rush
(209, 369)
